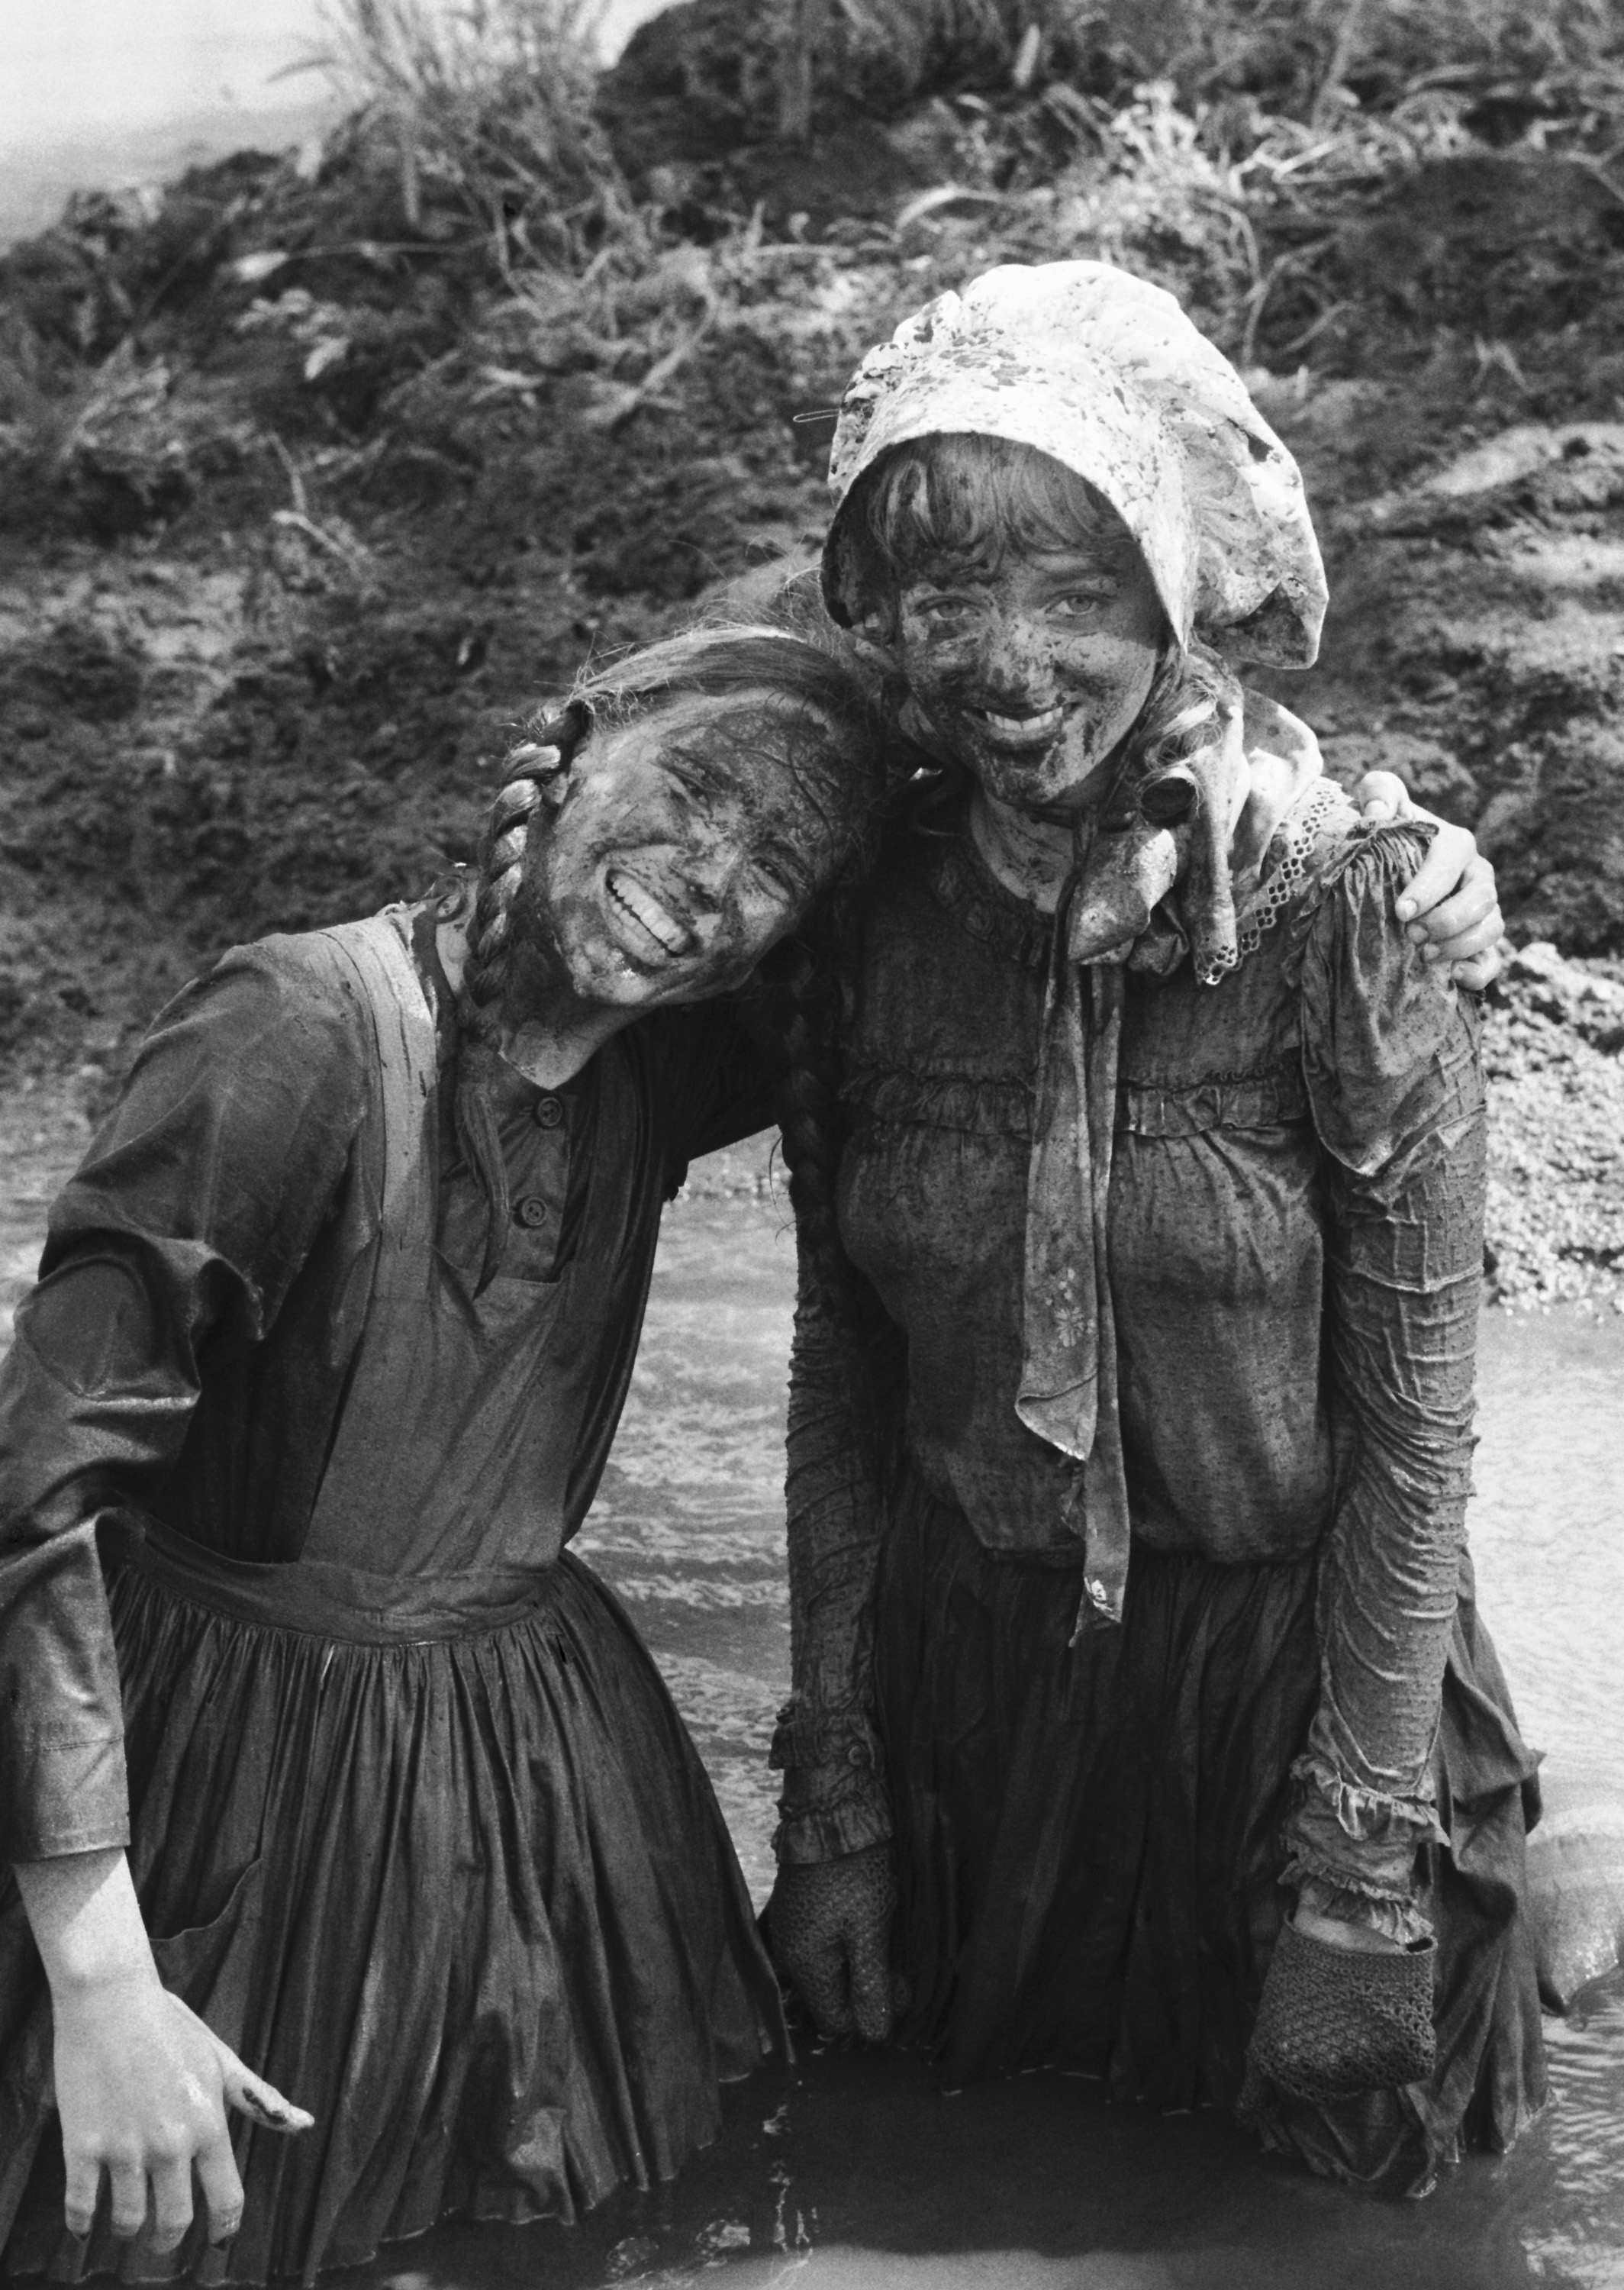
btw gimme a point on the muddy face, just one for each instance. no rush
(1032, 672)
(683, 846)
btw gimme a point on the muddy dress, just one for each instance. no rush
(413, 1822)
(1096, 1844)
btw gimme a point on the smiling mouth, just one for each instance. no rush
(1019, 732)
(651, 925)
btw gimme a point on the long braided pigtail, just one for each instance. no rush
(537, 759)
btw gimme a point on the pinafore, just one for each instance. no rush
(416, 1826)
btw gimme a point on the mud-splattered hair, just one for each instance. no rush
(811, 686)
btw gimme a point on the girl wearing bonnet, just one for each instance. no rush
(1142, 1708)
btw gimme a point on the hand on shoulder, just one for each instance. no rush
(1451, 907)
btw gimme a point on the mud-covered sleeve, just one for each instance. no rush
(188, 1220)
(1391, 1057)
(834, 1800)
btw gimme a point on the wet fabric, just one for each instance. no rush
(1067, 1388)
(209, 1273)
(1088, 1839)
(1067, 1391)
(1103, 373)
(412, 1819)
(469, 1899)
(1294, 1242)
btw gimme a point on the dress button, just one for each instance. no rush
(530, 1212)
(549, 1113)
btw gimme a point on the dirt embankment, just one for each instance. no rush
(305, 502)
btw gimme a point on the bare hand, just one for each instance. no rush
(828, 1924)
(142, 2089)
(1451, 905)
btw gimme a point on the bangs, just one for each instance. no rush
(981, 499)
(969, 502)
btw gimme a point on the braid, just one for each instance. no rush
(484, 980)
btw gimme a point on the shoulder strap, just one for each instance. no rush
(403, 1029)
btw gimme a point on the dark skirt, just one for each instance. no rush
(471, 1901)
(1089, 1840)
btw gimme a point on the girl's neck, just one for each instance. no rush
(1031, 857)
(556, 1035)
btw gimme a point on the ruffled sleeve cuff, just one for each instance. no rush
(1352, 1853)
(834, 1801)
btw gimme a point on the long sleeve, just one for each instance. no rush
(186, 1224)
(834, 1800)
(1391, 1059)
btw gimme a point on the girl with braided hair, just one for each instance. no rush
(1142, 1721)
(323, 1752)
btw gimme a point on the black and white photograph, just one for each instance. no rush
(812, 1144)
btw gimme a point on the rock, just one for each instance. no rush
(1589, 1001)
(1576, 1899)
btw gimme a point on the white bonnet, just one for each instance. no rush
(1105, 373)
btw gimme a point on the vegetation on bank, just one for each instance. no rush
(313, 475)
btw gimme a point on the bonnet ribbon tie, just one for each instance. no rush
(1067, 1392)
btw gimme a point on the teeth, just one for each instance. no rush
(1026, 729)
(646, 912)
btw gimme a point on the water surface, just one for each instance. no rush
(854, 2173)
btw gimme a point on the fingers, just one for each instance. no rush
(222, 2189)
(260, 2101)
(249, 2094)
(1466, 945)
(1452, 882)
(1481, 971)
(871, 1994)
(84, 2184)
(1382, 797)
(172, 2204)
(128, 2182)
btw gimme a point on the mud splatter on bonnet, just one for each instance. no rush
(1105, 374)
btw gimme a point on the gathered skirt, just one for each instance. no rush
(471, 1901)
(1089, 1840)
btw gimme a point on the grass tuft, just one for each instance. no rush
(488, 105)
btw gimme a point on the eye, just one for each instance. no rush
(778, 880)
(1080, 603)
(941, 614)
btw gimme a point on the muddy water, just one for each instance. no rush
(854, 2173)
